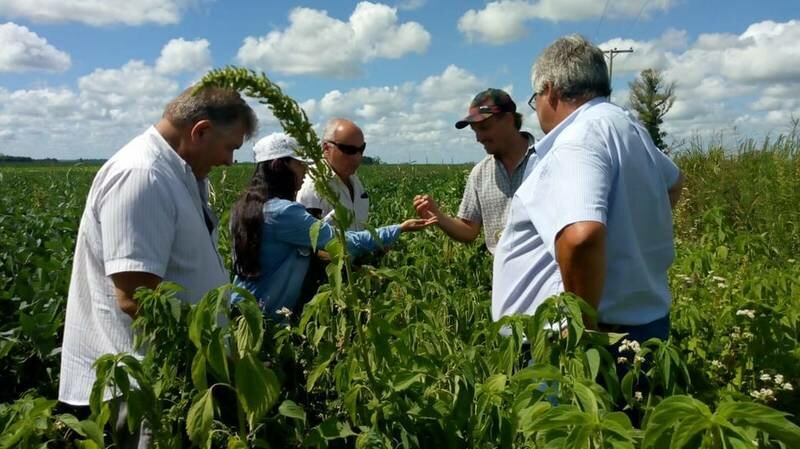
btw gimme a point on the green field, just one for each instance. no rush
(402, 352)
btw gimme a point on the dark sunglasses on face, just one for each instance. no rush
(349, 149)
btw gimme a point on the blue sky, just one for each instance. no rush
(79, 78)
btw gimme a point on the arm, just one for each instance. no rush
(459, 229)
(580, 254)
(137, 219)
(293, 225)
(125, 285)
(675, 191)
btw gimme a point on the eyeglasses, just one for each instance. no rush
(532, 101)
(351, 150)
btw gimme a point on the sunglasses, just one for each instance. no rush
(349, 149)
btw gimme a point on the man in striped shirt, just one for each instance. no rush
(492, 182)
(147, 220)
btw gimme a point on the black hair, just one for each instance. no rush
(271, 179)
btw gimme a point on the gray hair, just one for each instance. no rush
(222, 106)
(574, 67)
(330, 128)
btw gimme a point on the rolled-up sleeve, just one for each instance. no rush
(470, 208)
(667, 168)
(138, 221)
(573, 186)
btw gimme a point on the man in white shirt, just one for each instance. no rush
(593, 216)
(147, 219)
(343, 149)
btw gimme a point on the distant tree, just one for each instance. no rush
(371, 160)
(652, 97)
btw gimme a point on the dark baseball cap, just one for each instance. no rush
(485, 104)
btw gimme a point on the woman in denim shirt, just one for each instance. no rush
(272, 247)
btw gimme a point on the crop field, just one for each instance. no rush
(401, 352)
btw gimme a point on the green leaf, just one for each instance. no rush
(326, 354)
(291, 410)
(405, 380)
(200, 418)
(495, 383)
(216, 357)
(257, 388)
(585, 397)
(669, 412)
(593, 362)
(199, 376)
(249, 327)
(236, 443)
(313, 234)
(763, 418)
(561, 418)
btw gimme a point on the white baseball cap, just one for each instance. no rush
(276, 146)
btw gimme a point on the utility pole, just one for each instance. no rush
(611, 53)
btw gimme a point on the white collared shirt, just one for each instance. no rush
(144, 213)
(599, 164)
(358, 203)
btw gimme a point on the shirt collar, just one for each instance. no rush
(544, 145)
(169, 154)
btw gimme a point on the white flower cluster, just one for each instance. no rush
(716, 364)
(638, 396)
(283, 311)
(749, 313)
(629, 345)
(777, 384)
(764, 394)
(721, 281)
(737, 334)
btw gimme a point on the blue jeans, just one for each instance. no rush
(641, 332)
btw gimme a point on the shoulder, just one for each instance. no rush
(483, 166)
(282, 206)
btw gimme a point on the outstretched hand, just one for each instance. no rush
(416, 224)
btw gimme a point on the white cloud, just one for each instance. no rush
(315, 43)
(653, 54)
(505, 21)
(719, 75)
(364, 102)
(180, 55)
(96, 12)
(108, 107)
(498, 23)
(24, 50)
(411, 121)
(411, 4)
(449, 92)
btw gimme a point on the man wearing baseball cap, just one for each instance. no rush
(494, 118)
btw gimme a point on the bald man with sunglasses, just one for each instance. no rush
(343, 148)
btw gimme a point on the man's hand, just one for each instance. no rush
(426, 207)
(125, 285)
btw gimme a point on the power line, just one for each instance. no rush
(600, 22)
